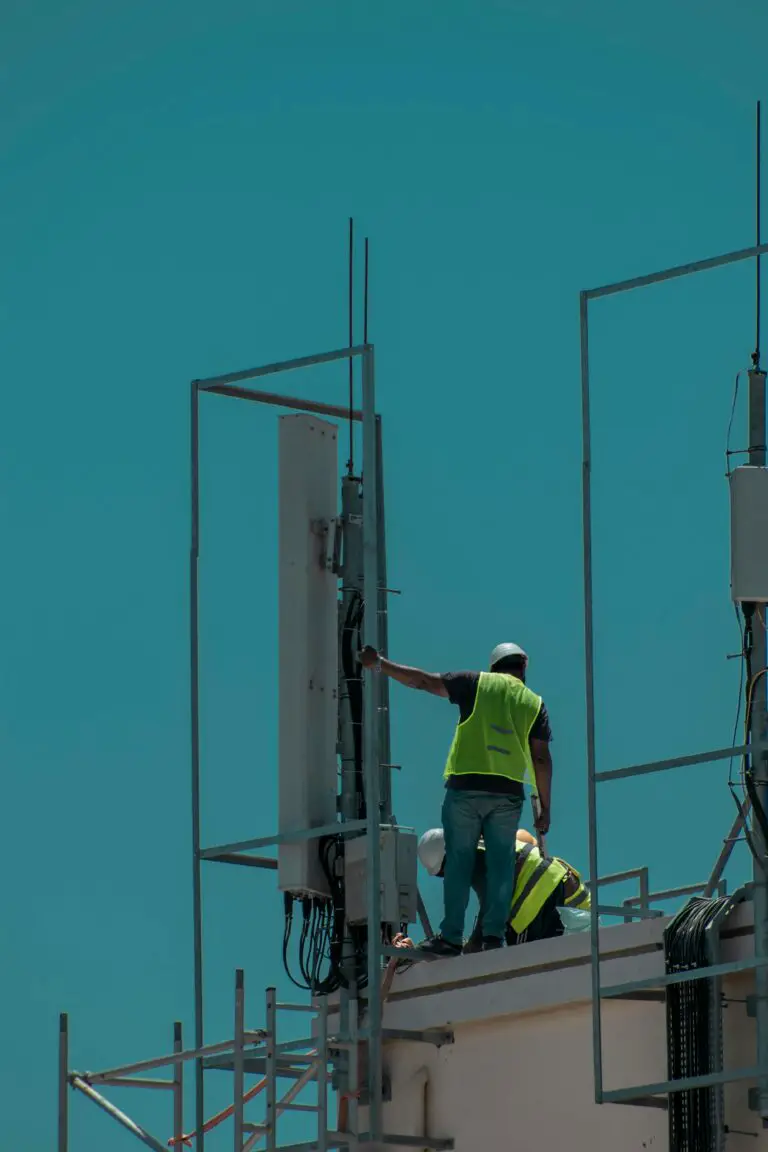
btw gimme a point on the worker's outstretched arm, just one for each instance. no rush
(410, 677)
(542, 767)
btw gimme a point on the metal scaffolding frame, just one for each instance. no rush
(362, 1032)
(374, 590)
(642, 1094)
(260, 1051)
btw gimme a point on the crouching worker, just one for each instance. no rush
(542, 884)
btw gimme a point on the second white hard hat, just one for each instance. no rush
(432, 850)
(504, 651)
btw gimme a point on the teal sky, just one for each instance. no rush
(176, 184)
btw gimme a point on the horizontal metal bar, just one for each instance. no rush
(668, 1087)
(333, 1140)
(268, 862)
(158, 1062)
(136, 1082)
(669, 893)
(290, 1107)
(400, 1141)
(304, 1042)
(644, 994)
(294, 402)
(208, 382)
(683, 761)
(257, 1065)
(715, 970)
(297, 1008)
(675, 272)
(616, 877)
(646, 1102)
(635, 913)
(336, 829)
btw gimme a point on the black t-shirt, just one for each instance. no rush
(462, 691)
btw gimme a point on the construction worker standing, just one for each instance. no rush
(542, 884)
(502, 739)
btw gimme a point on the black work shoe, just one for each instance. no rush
(491, 942)
(438, 946)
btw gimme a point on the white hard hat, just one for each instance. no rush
(432, 850)
(504, 651)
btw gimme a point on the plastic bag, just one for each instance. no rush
(575, 920)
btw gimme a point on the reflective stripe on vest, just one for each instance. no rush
(581, 898)
(536, 878)
(493, 740)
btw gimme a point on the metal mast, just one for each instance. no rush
(756, 694)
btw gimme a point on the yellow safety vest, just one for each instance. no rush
(581, 897)
(536, 878)
(493, 741)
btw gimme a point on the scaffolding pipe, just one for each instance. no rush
(173, 1058)
(63, 1082)
(757, 733)
(371, 736)
(116, 1114)
(271, 1015)
(194, 689)
(239, 1067)
(320, 1070)
(178, 1087)
(589, 657)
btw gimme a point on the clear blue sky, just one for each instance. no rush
(176, 183)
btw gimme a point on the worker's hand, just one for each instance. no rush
(401, 941)
(368, 657)
(542, 821)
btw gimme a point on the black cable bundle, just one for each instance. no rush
(351, 643)
(692, 1114)
(321, 940)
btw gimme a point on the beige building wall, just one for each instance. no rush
(520, 1073)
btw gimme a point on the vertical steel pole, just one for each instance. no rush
(322, 1075)
(589, 658)
(63, 1082)
(371, 735)
(178, 1087)
(757, 458)
(352, 588)
(239, 1061)
(271, 1070)
(353, 1087)
(194, 679)
(385, 754)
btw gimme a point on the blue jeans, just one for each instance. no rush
(467, 816)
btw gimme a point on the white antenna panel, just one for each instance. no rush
(749, 535)
(308, 641)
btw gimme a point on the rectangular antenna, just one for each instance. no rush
(308, 645)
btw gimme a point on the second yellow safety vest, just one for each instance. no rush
(536, 878)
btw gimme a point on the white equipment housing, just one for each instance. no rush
(749, 535)
(399, 898)
(308, 646)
